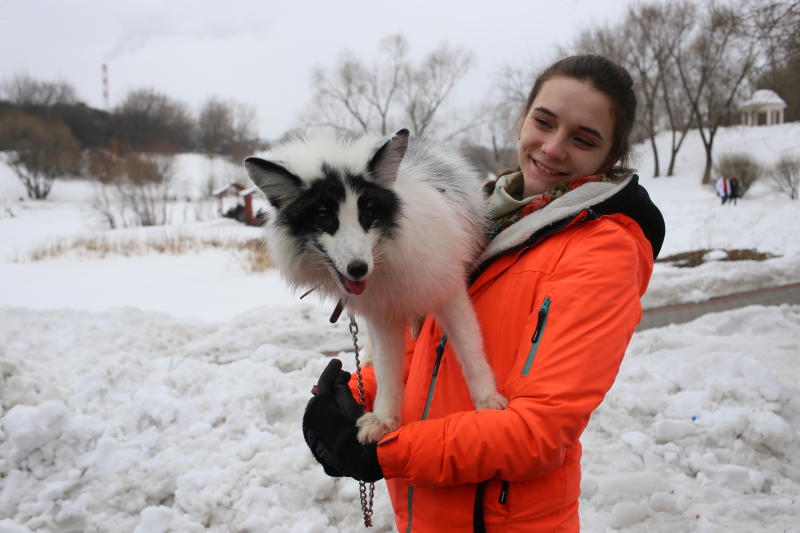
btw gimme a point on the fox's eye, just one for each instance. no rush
(323, 216)
(365, 214)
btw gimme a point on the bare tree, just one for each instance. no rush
(713, 66)
(354, 96)
(24, 90)
(245, 137)
(663, 27)
(148, 120)
(390, 93)
(428, 86)
(782, 42)
(226, 128)
(503, 112)
(39, 150)
(214, 126)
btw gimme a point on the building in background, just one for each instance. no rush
(764, 108)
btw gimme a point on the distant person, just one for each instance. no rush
(736, 190)
(724, 189)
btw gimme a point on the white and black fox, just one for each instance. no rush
(390, 228)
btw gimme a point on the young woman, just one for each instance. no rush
(557, 293)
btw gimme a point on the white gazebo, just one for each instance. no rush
(764, 108)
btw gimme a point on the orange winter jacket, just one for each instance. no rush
(557, 297)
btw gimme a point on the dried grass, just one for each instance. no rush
(251, 253)
(697, 257)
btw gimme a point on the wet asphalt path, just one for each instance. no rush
(678, 314)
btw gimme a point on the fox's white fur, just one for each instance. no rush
(415, 265)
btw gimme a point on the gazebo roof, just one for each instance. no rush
(764, 97)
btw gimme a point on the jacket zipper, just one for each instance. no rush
(537, 335)
(437, 363)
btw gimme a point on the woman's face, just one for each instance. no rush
(566, 134)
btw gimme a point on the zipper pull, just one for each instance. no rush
(439, 353)
(503, 493)
(540, 320)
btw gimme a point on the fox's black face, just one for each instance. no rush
(317, 209)
(340, 216)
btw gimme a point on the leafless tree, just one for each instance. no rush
(390, 93)
(782, 42)
(713, 66)
(148, 120)
(503, 113)
(39, 150)
(214, 126)
(428, 86)
(24, 90)
(226, 127)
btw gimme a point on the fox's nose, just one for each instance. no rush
(357, 269)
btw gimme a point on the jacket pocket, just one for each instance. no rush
(536, 339)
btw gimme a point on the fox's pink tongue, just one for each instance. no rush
(356, 287)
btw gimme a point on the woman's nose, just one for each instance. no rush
(554, 148)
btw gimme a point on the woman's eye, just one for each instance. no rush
(585, 142)
(543, 123)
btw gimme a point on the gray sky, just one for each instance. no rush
(262, 52)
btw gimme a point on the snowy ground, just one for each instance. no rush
(163, 393)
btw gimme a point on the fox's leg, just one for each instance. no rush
(458, 319)
(388, 345)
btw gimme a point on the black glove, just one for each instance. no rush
(329, 428)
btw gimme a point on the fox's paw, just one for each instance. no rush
(493, 400)
(371, 427)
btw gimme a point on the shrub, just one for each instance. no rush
(785, 176)
(39, 151)
(134, 190)
(740, 166)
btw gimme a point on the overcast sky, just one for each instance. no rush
(262, 52)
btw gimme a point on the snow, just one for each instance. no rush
(163, 393)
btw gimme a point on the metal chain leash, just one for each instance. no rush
(366, 501)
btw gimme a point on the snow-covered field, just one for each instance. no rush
(163, 393)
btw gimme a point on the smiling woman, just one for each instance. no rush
(557, 295)
(576, 122)
(567, 134)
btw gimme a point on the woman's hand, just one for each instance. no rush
(329, 428)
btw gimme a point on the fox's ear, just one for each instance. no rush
(386, 162)
(280, 185)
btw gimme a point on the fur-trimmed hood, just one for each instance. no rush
(624, 196)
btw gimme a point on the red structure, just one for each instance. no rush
(242, 211)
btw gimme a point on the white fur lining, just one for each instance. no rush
(573, 202)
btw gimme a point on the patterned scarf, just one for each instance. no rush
(532, 203)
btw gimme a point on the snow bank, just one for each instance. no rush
(160, 424)
(163, 424)
(698, 433)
